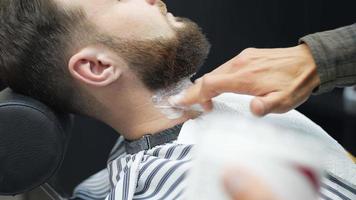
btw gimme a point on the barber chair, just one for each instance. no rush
(47, 151)
(33, 142)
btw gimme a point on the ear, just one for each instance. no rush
(93, 66)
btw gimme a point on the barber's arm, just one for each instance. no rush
(335, 55)
(281, 79)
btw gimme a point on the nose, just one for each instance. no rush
(152, 2)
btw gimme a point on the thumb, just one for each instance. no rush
(235, 185)
(271, 103)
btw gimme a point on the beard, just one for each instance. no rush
(162, 63)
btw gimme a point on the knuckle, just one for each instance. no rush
(245, 57)
(240, 61)
(199, 80)
(248, 50)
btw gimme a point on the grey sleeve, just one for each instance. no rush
(335, 55)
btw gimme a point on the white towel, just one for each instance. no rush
(229, 115)
(335, 159)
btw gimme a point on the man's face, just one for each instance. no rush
(160, 48)
(129, 19)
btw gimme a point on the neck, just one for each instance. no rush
(134, 115)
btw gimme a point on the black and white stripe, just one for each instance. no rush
(97, 187)
(160, 173)
(335, 188)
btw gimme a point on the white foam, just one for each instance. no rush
(161, 100)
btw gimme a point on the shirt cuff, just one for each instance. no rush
(326, 72)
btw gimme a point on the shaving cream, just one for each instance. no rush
(161, 100)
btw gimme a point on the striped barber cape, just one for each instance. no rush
(161, 172)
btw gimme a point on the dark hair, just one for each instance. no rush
(34, 50)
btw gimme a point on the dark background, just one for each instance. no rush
(231, 26)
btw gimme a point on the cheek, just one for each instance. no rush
(136, 22)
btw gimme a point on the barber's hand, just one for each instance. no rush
(281, 79)
(242, 185)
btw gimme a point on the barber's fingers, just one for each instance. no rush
(280, 101)
(207, 88)
(243, 185)
(275, 102)
(235, 186)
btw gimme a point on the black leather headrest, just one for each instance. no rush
(33, 141)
